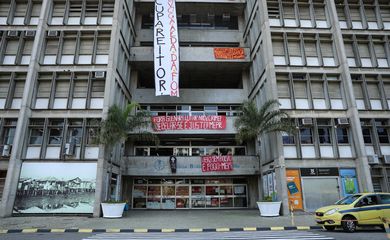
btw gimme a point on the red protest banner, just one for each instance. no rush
(164, 123)
(217, 163)
(229, 53)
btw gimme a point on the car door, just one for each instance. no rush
(385, 206)
(368, 210)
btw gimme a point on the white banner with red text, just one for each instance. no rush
(166, 49)
(215, 163)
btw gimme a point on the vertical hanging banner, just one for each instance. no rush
(166, 48)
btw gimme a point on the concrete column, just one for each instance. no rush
(362, 167)
(272, 93)
(109, 100)
(15, 161)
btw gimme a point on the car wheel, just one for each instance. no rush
(349, 224)
(330, 228)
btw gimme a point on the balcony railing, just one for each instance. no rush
(187, 166)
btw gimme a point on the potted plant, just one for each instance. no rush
(113, 208)
(269, 207)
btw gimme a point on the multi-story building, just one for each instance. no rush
(63, 63)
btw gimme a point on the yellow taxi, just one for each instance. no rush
(355, 210)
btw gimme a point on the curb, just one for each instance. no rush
(154, 230)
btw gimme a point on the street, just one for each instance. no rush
(242, 235)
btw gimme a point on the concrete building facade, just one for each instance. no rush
(64, 63)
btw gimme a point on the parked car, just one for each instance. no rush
(355, 210)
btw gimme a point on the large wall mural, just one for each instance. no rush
(56, 187)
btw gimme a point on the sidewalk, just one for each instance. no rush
(160, 219)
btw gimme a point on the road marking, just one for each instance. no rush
(30, 230)
(242, 235)
(85, 230)
(57, 230)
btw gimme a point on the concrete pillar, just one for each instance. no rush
(362, 167)
(15, 161)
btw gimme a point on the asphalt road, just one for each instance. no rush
(314, 234)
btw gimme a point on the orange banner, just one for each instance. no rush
(229, 53)
(294, 190)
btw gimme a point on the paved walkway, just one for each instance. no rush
(158, 219)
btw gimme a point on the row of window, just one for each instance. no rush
(366, 14)
(371, 91)
(367, 51)
(198, 20)
(82, 12)
(304, 50)
(17, 48)
(193, 110)
(319, 138)
(190, 151)
(76, 47)
(62, 138)
(310, 91)
(20, 12)
(305, 14)
(57, 90)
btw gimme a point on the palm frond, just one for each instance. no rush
(120, 122)
(255, 122)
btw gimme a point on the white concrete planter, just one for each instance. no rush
(113, 210)
(269, 209)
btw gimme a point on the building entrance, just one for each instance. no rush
(189, 193)
(319, 192)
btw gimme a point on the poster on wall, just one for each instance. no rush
(56, 187)
(166, 49)
(294, 191)
(213, 163)
(349, 182)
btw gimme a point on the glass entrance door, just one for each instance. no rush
(319, 192)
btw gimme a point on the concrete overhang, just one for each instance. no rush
(189, 54)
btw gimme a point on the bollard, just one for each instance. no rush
(292, 213)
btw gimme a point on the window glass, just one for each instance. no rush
(324, 135)
(385, 198)
(306, 136)
(342, 135)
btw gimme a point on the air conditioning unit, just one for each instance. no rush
(13, 33)
(6, 151)
(307, 121)
(69, 149)
(387, 159)
(373, 159)
(100, 74)
(29, 33)
(342, 121)
(52, 33)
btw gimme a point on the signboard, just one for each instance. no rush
(215, 163)
(294, 189)
(166, 49)
(229, 53)
(56, 187)
(311, 172)
(164, 123)
(349, 182)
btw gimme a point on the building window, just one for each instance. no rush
(36, 131)
(324, 135)
(288, 138)
(367, 135)
(55, 128)
(342, 135)
(306, 135)
(9, 128)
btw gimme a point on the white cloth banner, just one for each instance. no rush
(166, 48)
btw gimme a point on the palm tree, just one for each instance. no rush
(120, 122)
(255, 122)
